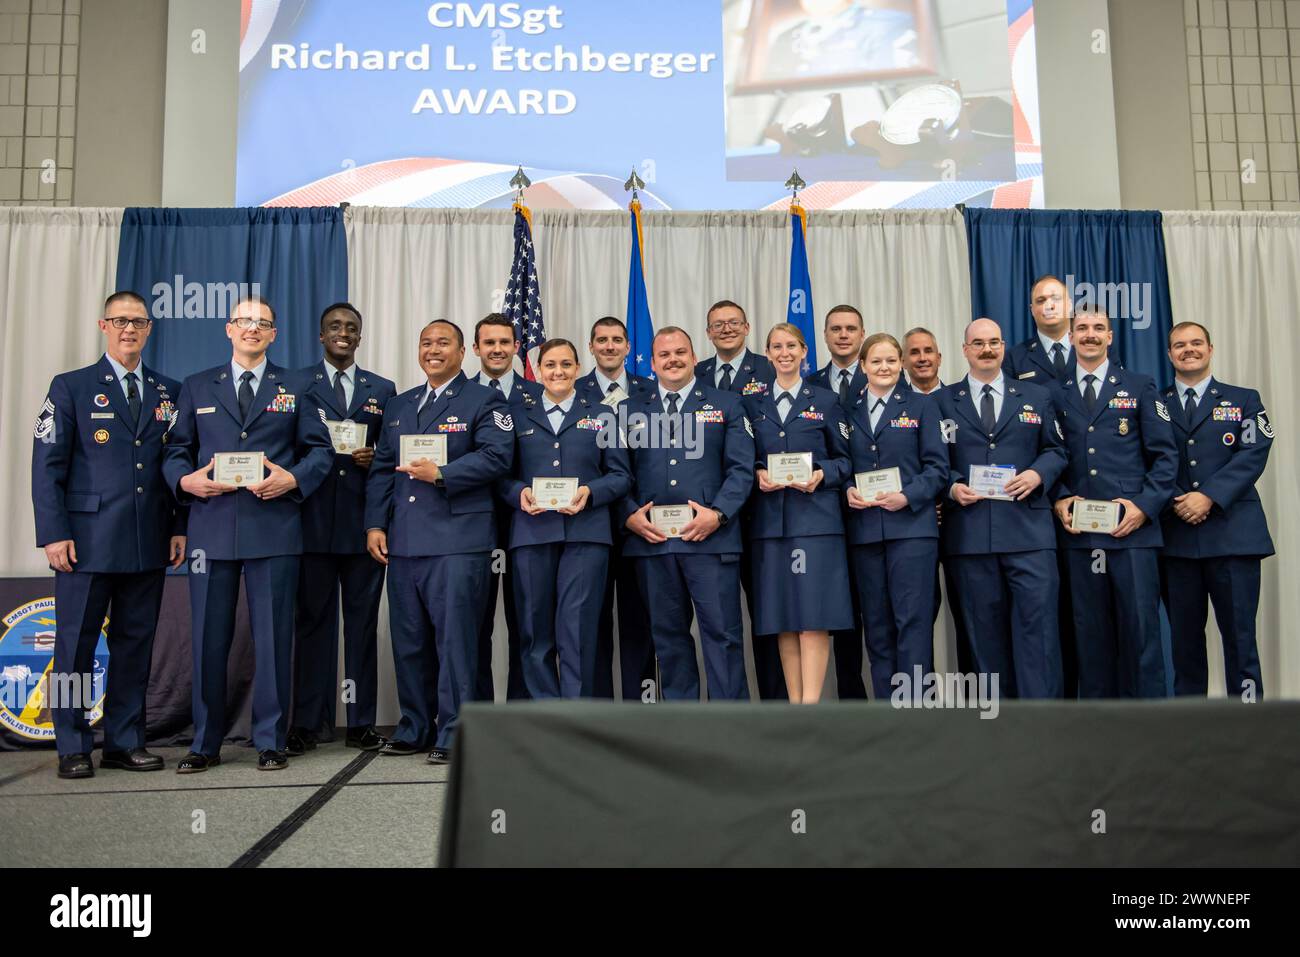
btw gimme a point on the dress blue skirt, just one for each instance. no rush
(801, 583)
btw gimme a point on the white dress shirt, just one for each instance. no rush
(348, 379)
(977, 393)
(1099, 372)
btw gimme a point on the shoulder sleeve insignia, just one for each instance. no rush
(844, 429)
(503, 421)
(321, 413)
(1162, 411)
(1059, 434)
(748, 425)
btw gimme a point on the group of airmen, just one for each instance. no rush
(828, 499)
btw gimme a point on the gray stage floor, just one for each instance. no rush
(333, 807)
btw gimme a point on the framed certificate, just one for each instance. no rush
(1092, 515)
(670, 519)
(881, 480)
(786, 468)
(347, 435)
(240, 469)
(432, 447)
(987, 481)
(554, 493)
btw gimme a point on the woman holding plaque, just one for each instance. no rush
(796, 529)
(567, 472)
(900, 467)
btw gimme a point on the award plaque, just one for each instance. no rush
(346, 435)
(1091, 515)
(432, 447)
(786, 468)
(871, 484)
(987, 481)
(239, 469)
(554, 493)
(670, 519)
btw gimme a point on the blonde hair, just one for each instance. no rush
(875, 339)
(788, 328)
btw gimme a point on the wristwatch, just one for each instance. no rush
(722, 519)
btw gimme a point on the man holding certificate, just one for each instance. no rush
(334, 546)
(1215, 530)
(796, 529)
(609, 384)
(1122, 467)
(900, 467)
(567, 473)
(1004, 453)
(692, 452)
(430, 519)
(243, 452)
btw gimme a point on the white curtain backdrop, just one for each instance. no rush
(56, 267)
(1236, 274)
(409, 266)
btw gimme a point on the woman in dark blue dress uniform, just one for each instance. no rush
(561, 554)
(894, 537)
(796, 531)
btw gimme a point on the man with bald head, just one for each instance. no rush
(1005, 453)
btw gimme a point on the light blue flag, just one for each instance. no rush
(640, 329)
(800, 311)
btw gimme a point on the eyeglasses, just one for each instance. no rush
(135, 322)
(979, 345)
(726, 324)
(248, 323)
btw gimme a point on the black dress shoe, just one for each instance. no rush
(75, 766)
(367, 739)
(440, 756)
(135, 759)
(194, 762)
(298, 743)
(272, 760)
(399, 749)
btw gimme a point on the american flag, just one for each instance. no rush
(523, 301)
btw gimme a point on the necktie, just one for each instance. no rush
(245, 394)
(1058, 360)
(844, 386)
(133, 397)
(1090, 392)
(1190, 405)
(987, 418)
(875, 413)
(425, 415)
(612, 387)
(784, 409)
(725, 382)
(339, 395)
(672, 398)
(496, 384)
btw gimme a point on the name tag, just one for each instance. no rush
(101, 415)
(523, 434)
(206, 410)
(709, 415)
(1031, 418)
(284, 402)
(453, 426)
(1026, 375)
(904, 422)
(591, 425)
(1221, 414)
(1122, 404)
(814, 416)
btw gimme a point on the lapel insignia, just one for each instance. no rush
(223, 377)
(319, 376)
(1214, 392)
(108, 378)
(1111, 379)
